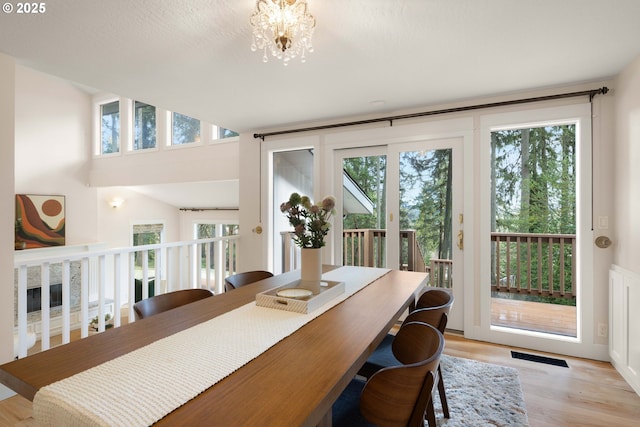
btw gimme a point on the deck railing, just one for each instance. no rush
(523, 263)
(363, 247)
(100, 282)
(534, 264)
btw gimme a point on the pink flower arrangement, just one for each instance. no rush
(310, 221)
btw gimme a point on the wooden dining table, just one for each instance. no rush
(293, 383)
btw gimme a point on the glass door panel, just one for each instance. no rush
(429, 221)
(363, 207)
(292, 172)
(533, 229)
(401, 208)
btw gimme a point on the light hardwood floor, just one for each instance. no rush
(588, 393)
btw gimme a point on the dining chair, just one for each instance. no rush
(433, 308)
(240, 279)
(163, 302)
(397, 395)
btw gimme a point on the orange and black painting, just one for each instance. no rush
(40, 221)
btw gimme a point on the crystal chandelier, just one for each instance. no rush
(283, 27)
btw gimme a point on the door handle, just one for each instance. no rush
(460, 240)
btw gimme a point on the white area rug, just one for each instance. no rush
(480, 395)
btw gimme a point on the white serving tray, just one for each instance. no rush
(300, 296)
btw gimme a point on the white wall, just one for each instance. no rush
(7, 213)
(626, 188)
(603, 122)
(115, 224)
(252, 224)
(52, 148)
(53, 155)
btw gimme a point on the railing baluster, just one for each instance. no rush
(573, 267)
(550, 266)
(207, 265)
(218, 265)
(117, 278)
(132, 285)
(157, 271)
(518, 260)
(381, 240)
(368, 249)
(45, 313)
(497, 278)
(529, 264)
(539, 265)
(562, 290)
(22, 311)
(102, 281)
(508, 259)
(84, 297)
(66, 302)
(171, 259)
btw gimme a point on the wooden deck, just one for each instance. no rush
(534, 316)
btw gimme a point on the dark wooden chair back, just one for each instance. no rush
(433, 308)
(163, 302)
(400, 395)
(241, 279)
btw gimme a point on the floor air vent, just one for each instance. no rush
(539, 359)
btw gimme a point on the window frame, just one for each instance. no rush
(580, 115)
(170, 135)
(215, 135)
(158, 128)
(209, 133)
(98, 102)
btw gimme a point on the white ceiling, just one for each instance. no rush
(196, 195)
(372, 57)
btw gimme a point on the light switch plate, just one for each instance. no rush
(603, 222)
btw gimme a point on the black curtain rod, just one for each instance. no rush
(591, 93)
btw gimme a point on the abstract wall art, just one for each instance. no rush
(40, 221)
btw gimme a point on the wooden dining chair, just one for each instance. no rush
(397, 395)
(433, 308)
(163, 302)
(241, 279)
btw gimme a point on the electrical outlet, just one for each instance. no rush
(602, 330)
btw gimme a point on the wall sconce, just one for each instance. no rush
(116, 202)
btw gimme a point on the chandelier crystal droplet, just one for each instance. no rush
(282, 27)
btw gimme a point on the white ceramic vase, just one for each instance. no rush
(311, 264)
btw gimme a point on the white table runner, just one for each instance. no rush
(141, 387)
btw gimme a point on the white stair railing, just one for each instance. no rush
(104, 281)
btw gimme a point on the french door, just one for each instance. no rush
(401, 206)
(536, 223)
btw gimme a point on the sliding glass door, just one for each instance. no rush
(402, 209)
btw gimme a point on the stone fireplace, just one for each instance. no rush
(34, 290)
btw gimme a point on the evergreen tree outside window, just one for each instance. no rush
(110, 128)
(144, 126)
(534, 191)
(147, 234)
(185, 129)
(535, 180)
